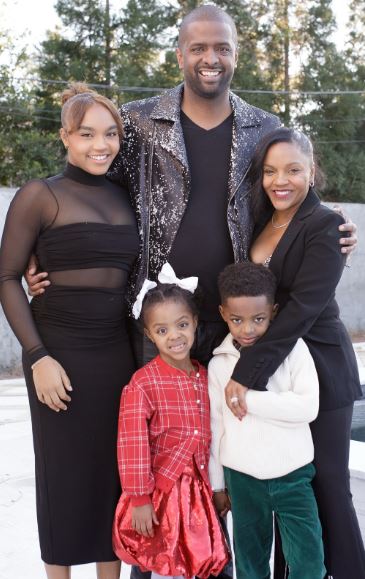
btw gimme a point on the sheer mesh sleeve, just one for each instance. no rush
(31, 210)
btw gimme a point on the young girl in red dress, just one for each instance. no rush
(165, 520)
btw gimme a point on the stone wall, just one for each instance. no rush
(351, 289)
(10, 351)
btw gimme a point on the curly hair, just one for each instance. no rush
(246, 279)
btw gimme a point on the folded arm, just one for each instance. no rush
(298, 404)
(312, 289)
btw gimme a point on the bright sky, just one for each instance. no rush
(29, 20)
(21, 16)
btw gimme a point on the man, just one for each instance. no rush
(184, 159)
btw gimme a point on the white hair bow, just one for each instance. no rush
(137, 306)
(166, 275)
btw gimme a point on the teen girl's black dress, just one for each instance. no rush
(83, 231)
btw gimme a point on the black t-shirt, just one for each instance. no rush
(203, 246)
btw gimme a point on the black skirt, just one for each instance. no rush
(77, 481)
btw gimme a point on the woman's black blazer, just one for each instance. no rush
(308, 265)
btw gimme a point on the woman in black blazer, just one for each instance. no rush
(295, 236)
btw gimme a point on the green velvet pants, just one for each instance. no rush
(291, 498)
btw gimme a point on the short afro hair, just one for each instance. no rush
(247, 279)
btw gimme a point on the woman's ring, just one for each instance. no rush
(234, 400)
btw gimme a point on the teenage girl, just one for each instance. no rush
(76, 350)
(165, 521)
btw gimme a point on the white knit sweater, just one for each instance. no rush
(274, 437)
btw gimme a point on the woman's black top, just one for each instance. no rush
(83, 231)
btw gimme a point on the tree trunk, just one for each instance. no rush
(286, 63)
(108, 41)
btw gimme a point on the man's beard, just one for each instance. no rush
(208, 92)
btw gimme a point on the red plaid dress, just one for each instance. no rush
(163, 453)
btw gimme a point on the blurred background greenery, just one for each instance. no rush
(289, 63)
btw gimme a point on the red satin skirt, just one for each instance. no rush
(188, 540)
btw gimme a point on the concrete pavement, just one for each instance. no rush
(19, 550)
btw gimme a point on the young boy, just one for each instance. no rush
(264, 460)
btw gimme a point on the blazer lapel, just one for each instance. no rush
(277, 259)
(293, 230)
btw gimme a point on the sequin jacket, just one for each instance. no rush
(153, 164)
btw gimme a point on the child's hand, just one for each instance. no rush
(222, 503)
(143, 519)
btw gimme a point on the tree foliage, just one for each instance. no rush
(289, 63)
(24, 152)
